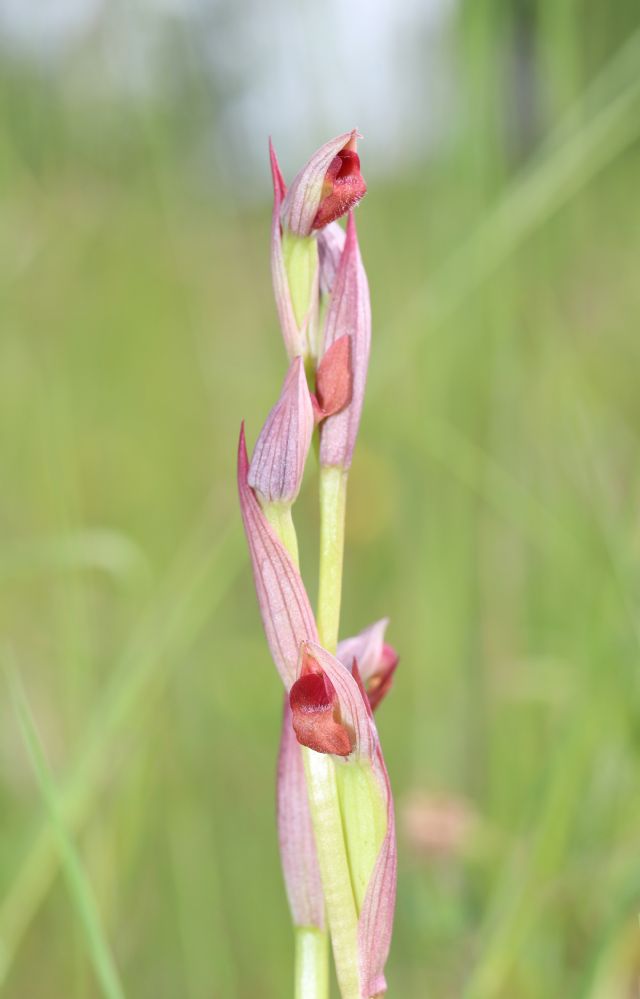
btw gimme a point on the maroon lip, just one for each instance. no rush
(343, 188)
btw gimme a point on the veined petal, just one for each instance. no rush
(349, 313)
(295, 832)
(284, 606)
(328, 185)
(377, 661)
(330, 246)
(281, 450)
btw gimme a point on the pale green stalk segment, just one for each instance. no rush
(334, 869)
(77, 880)
(311, 973)
(364, 815)
(301, 265)
(279, 516)
(344, 873)
(333, 499)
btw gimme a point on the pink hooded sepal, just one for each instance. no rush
(284, 606)
(281, 450)
(349, 313)
(295, 833)
(326, 188)
(350, 710)
(294, 336)
(377, 661)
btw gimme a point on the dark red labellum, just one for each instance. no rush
(316, 713)
(343, 188)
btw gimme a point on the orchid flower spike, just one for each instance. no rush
(376, 660)
(348, 314)
(281, 450)
(335, 809)
(328, 185)
(331, 714)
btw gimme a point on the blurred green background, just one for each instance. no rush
(493, 510)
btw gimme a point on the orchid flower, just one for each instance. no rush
(376, 660)
(329, 184)
(324, 190)
(331, 714)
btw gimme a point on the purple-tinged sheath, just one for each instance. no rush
(279, 457)
(328, 185)
(295, 832)
(377, 661)
(284, 606)
(349, 313)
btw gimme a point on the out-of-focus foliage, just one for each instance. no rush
(493, 515)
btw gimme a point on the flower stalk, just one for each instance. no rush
(333, 503)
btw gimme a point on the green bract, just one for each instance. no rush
(364, 820)
(301, 266)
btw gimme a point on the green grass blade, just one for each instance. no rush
(203, 572)
(533, 198)
(77, 880)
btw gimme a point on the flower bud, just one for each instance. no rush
(349, 313)
(326, 188)
(281, 450)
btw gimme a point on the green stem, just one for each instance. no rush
(321, 770)
(333, 499)
(279, 516)
(335, 875)
(311, 971)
